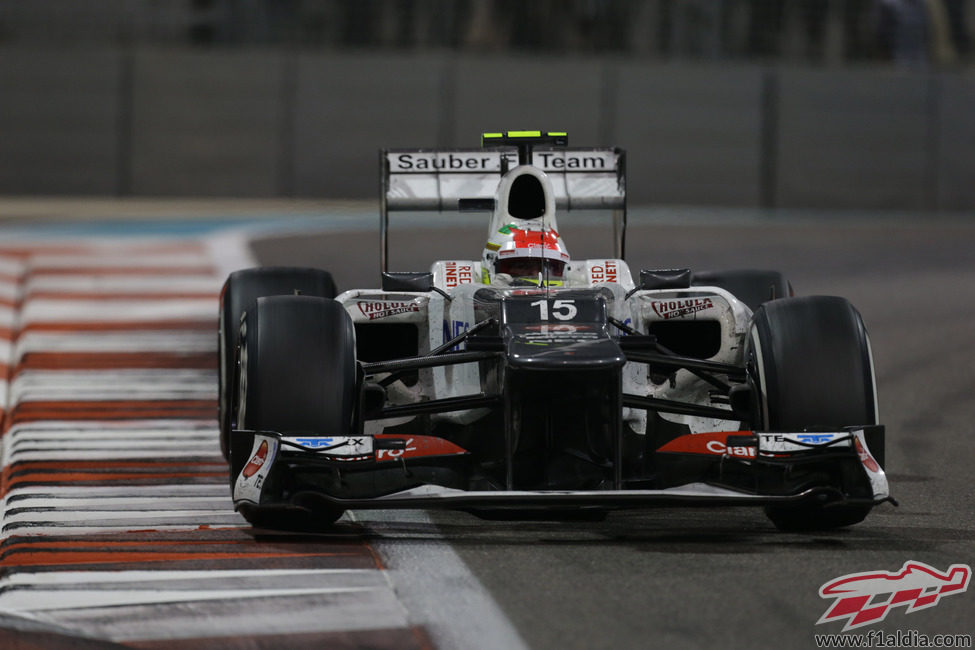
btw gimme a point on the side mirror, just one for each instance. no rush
(407, 281)
(665, 279)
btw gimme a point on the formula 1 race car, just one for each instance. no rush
(530, 384)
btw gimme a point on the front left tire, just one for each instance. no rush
(239, 295)
(298, 376)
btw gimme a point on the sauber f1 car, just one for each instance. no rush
(527, 383)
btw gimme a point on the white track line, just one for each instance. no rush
(10, 265)
(262, 613)
(100, 491)
(30, 530)
(421, 569)
(236, 576)
(94, 342)
(42, 502)
(115, 258)
(45, 310)
(128, 425)
(42, 600)
(129, 516)
(111, 284)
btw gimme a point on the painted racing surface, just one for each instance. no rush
(117, 522)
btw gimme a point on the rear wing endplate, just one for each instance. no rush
(456, 180)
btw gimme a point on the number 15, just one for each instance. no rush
(561, 309)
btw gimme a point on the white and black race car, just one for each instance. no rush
(528, 382)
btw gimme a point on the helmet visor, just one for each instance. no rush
(530, 267)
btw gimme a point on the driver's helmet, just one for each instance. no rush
(531, 254)
(523, 240)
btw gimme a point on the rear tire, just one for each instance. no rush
(297, 377)
(751, 286)
(240, 292)
(811, 362)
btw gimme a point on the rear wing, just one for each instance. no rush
(459, 180)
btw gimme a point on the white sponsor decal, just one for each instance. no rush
(876, 474)
(248, 485)
(718, 447)
(373, 309)
(458, 161)
(490, 161)
(456, 274)
(604, 272)
(335, 445)
(784, 442)
(559, 161)
(680, 307)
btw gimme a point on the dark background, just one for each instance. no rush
(860, 104)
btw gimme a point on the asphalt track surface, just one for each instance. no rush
(682, 578)
(725, 578)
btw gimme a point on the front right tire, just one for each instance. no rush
(811, 363)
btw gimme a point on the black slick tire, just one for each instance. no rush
(811, 362)
(298, 376)
(240, 293)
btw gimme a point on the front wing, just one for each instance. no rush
(400, 471)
